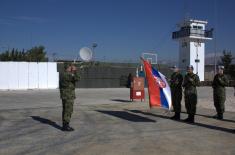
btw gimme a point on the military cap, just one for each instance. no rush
(221, 67)
(190, 67)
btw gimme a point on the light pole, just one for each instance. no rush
(94, 45)
(54, 56)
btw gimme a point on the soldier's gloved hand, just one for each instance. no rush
(190, 79)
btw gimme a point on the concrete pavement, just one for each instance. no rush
(107, 123)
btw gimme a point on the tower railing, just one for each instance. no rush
(192, 32)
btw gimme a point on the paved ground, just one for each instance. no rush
(106, 123)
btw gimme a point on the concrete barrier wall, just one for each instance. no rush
(113, 76)
(28, 75)
(104, 77)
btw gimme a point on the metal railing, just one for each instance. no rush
(192, 32)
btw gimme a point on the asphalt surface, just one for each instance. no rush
(107, 123)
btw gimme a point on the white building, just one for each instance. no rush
(192, 36)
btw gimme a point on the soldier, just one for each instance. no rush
(67, 93)
(219, 95)
(176, 91)
(191, 80)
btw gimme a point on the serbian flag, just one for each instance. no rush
(158, 88)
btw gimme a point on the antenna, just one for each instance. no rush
(215, 35)
(186, 13)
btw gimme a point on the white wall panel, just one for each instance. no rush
(33, 75)
(52, 75)
(13, 75)
(42, 69)
(4, 75)
(23, 75)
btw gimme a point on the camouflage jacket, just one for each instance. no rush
(67, 85)
(191, 81)
(176, 81)
(219, 83)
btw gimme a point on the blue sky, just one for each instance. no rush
(123, 29)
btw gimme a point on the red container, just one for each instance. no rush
(137, 89)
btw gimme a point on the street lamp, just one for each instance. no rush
(94, 45)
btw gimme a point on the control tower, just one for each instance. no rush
(192, 36)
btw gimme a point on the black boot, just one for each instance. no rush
(220, 116)
(66, 127)
(190, 119)
(176, 116)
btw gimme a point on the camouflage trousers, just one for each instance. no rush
(67, 110)
(190, 102)
(176, 100)
(219, 103)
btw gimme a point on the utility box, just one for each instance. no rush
(137, 89)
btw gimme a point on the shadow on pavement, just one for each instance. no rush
(226, 120)
(126, 116)
(120, 100)
(149, 114)
(46, 121)
(196, 123)
(215, 127)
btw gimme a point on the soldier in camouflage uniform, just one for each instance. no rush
(191, 81)
(176, 92)
(67, 93)
(219, 95)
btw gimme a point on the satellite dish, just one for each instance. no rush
(85, 54)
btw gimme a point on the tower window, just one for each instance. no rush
(197, 27)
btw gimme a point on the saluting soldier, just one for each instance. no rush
(191, 81)
(176, 91)
(219, 95)
(67, 83)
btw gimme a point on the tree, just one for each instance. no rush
(36, 54)
(226, 60)
(232, 72)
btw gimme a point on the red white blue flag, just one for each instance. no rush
(158, 88)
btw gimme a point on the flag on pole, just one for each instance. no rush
(158, 88)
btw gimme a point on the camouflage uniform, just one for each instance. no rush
(67, 94)
(176, 92)
(191, 80)
(219, 95)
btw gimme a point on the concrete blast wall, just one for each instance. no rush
(28, 75)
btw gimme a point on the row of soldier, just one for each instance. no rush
(177, 83)
(190, 82)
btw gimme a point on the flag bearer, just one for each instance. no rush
(176, 91)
